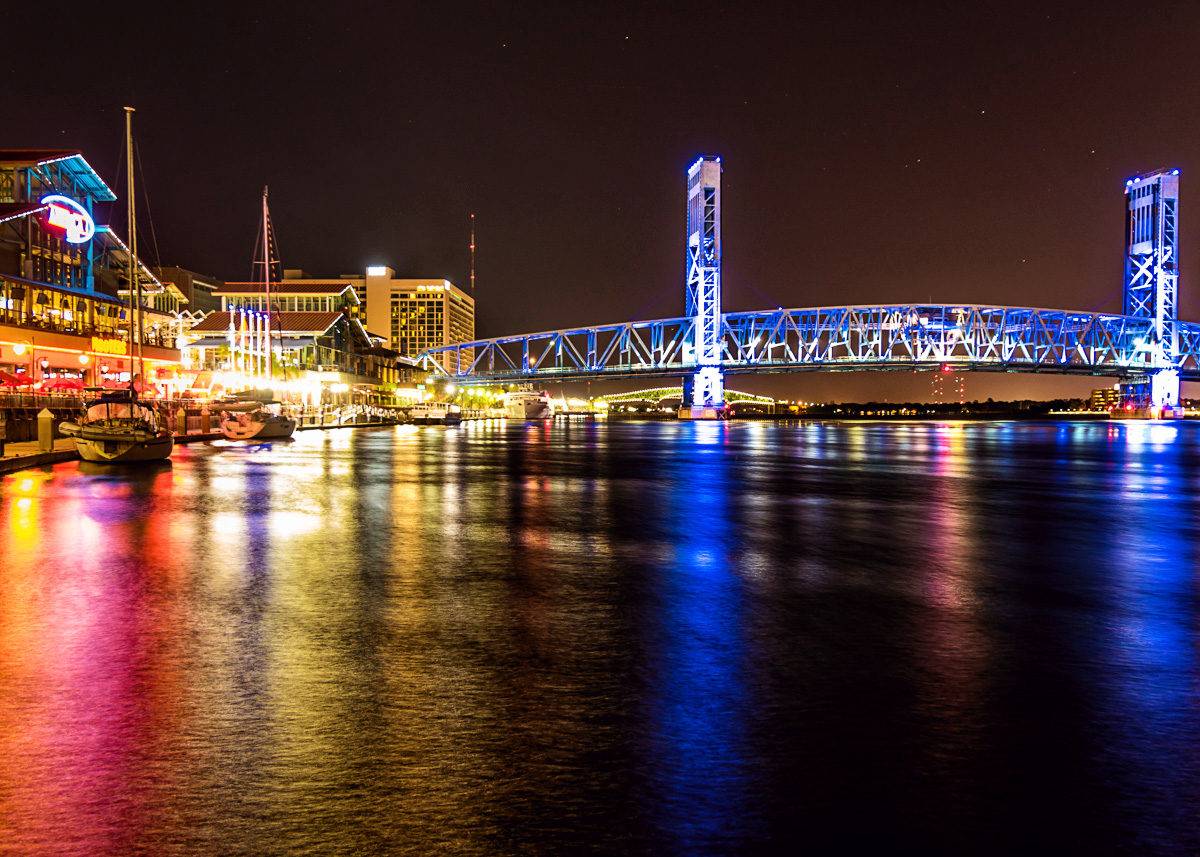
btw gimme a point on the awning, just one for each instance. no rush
(298, 342)
(208, 342)
(289, 344)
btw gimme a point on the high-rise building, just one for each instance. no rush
(414, 314)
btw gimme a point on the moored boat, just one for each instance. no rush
(256, 421)
(428, 413)
(117, 428)
(528, 405)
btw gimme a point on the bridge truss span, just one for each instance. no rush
(849, 338)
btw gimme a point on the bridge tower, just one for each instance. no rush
(1151, 282)
(704, 392)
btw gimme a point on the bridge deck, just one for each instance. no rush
(850, 338)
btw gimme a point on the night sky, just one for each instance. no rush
(970, 153)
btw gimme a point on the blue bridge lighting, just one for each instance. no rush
(1145, 347)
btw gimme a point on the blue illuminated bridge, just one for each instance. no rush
(1145, 347)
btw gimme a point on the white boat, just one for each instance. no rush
(428, 413)
(118, 428)
(255, 421)
(528, 405)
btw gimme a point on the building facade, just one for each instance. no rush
(196, 290)
(64, 278)
(414, 314)
(405, 314)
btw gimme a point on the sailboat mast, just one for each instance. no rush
(135, 292)
(267, 277)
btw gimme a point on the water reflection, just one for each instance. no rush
(624, 638)
(700, 767)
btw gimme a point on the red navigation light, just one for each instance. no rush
(946, 367)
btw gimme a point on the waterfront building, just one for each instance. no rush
(198, 290)
(408, 314)
(292, 295)
(321, 356)
(64, 282)
(1105, 398)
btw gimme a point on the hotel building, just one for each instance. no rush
(415, 314)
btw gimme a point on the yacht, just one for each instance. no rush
(255, 421)
(528, 405)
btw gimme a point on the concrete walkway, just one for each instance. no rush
(21, 456)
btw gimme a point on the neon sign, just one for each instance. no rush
(68, 215)
(109, 346)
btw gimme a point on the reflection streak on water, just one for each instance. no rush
(633, 638)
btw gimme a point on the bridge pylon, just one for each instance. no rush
(704, 391)
(1151, 284)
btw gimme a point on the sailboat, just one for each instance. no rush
(260, 420)
(117, 428)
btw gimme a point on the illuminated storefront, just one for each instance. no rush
(321, 355)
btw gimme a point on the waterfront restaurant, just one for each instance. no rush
(64, 282)
(318, 357)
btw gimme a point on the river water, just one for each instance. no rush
(624, 638)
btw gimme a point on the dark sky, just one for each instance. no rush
(956, 152)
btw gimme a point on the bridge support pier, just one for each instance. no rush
(1151, 287)
(707, 386)
(704, 396)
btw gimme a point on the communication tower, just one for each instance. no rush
(704, 392)
(1151, 282)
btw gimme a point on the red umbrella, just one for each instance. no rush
(110, 384)
(63, 384)
(7, 379)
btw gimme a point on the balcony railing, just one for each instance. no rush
(50, 323)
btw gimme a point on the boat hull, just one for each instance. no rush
(131, 434)
(119, 449)
(427, 416)
(528, 408)
(258, 429)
